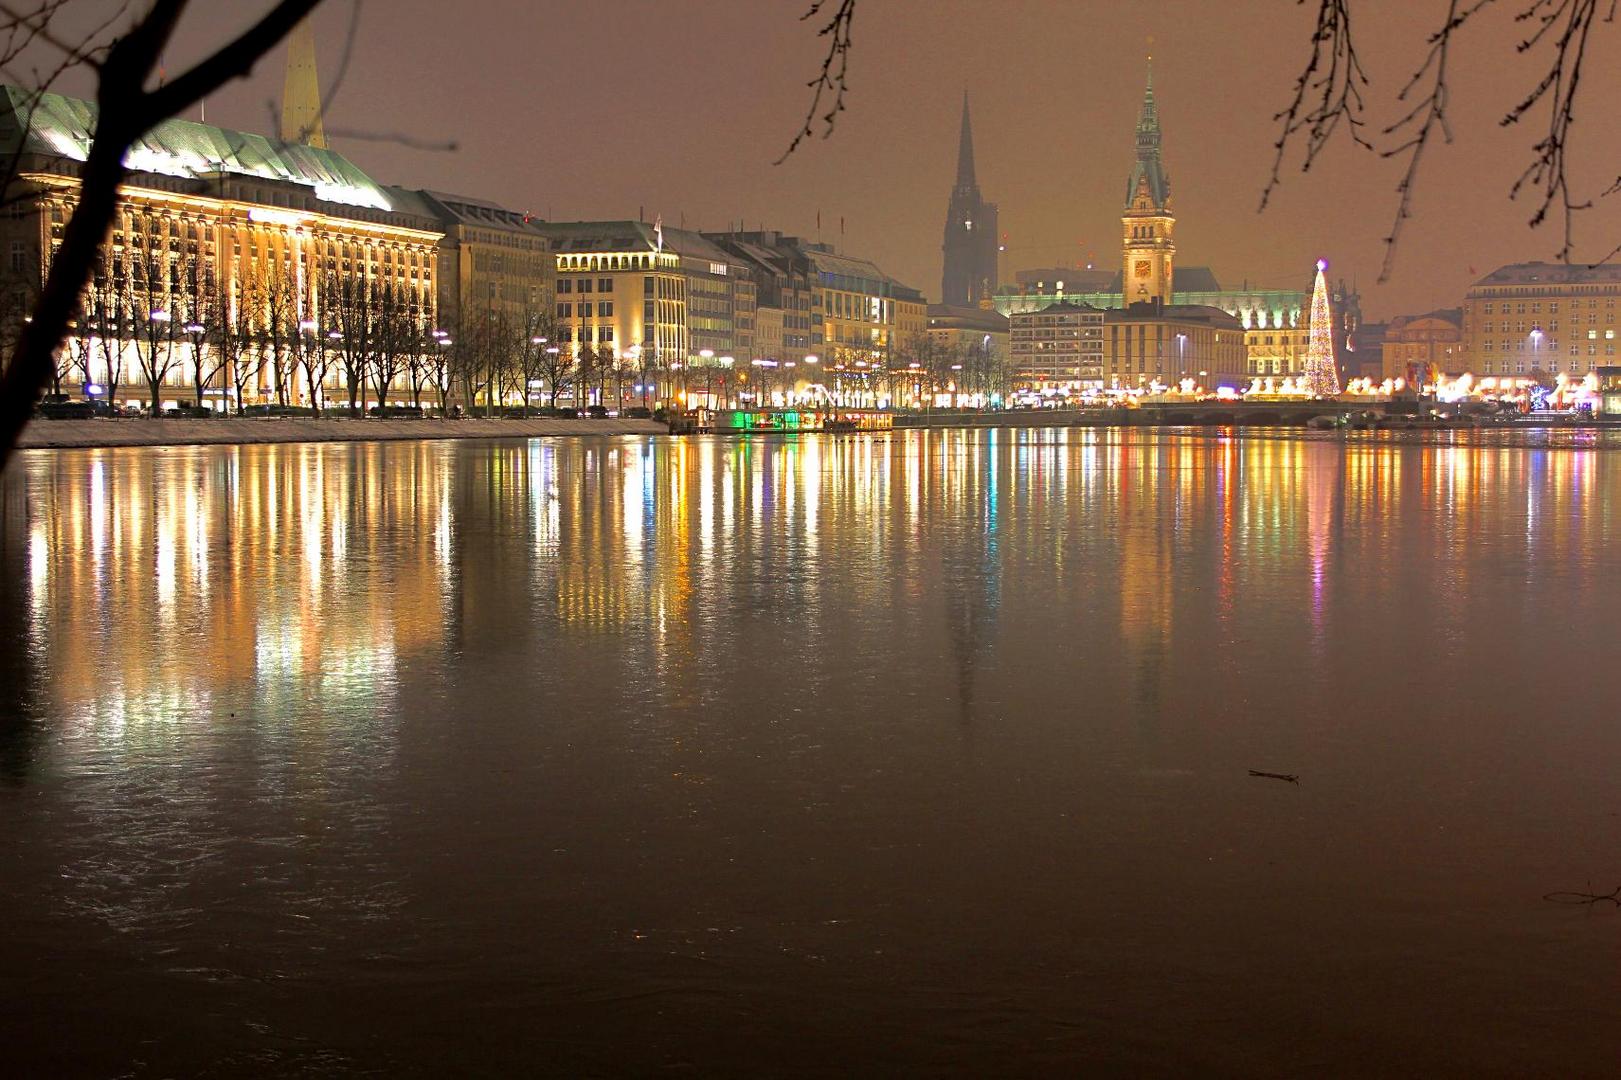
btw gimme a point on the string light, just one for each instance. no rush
(1322, 377)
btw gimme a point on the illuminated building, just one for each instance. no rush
(854, 313)
(861, 311)
(491, 259)
(783, 296)
(970, 327)
(1549, 317)
(970, 245)
(1276, 350)
(1274, 320)
(1146, 227)
(668, 294)
(1417, 348)
(250, 214)
(1165, 344)
(1059, 347)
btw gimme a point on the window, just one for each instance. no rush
(647, 311)
(605, 333)
(565, 285)
(605, 284)
(585, 285)
(605, 309)
(647, 285)
(565, 311)
(19, 256)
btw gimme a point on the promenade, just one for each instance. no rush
(61, 434)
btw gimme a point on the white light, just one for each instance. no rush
(160, 316)
(274, 217)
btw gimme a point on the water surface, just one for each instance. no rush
(911, 753)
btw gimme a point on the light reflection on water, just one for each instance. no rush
(923, 750)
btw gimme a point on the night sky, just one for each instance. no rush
(593, 110)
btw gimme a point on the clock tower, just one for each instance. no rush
(1148, 221)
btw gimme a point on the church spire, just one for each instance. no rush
(1149, 172)
(965, 149)
(301, 91)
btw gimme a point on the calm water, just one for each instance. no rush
(909, 754)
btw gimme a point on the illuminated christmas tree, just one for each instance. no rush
(1322, 377)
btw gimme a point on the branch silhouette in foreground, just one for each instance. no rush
(1329, 96)
(126, 110)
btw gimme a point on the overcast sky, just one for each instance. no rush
(595, 109)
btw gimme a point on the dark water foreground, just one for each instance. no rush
(913, 754)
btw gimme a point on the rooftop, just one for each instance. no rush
(60, 128)
(1552, 274)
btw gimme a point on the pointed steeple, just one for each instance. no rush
(965, 149)
(1149, 172)
(301, 91)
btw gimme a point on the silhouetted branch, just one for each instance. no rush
(1424, 118)
(832, 78)
(1613, 897)
(1327, 93)
(1565, 24)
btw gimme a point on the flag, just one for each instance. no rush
(841, 224)
(658, 231)
(818, 221)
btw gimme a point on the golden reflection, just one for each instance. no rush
(165, 584)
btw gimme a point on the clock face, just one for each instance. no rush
(1144, 268)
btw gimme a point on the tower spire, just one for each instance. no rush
(965, 149)
(301, 91)
(1149, 170)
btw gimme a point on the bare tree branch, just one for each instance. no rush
(832, 78)
(1563, 25)
(1327, 93)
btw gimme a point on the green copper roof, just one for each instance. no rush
(62, 127)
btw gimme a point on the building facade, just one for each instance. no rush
(218, 234)
(1419, 348)
(1149, 345)
(1552, 318)
(491, 260)
(1148, 249)
(1057, 349)
(970, 246)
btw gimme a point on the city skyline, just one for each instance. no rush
(1051, 140)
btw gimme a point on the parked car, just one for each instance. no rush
(66, 409)
(639, 412)
(597, 412)
(397, 412)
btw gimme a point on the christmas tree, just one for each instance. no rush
(1322, 377)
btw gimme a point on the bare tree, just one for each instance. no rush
(536, 334)
(396, 335)
(154, 293)
(110, 307)
(555, 365)
(241, 336)
(200, 301)
(126, 109)
(279, 332)
(229, 322)
(351, 314)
